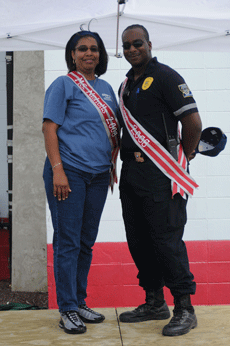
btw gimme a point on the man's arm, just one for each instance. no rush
(191, 132)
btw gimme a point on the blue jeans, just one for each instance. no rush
(75, 222)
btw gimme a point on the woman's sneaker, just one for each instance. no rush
(71, 323)
(89, 316)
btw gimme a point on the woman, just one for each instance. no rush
(81, 139)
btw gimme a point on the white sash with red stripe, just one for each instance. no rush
(107, 116)
(182, 182)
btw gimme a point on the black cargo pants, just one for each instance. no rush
(154, 230)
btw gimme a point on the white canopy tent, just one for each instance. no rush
(188, 25)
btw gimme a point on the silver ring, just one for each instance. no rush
(137, 156)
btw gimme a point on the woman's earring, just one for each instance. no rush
(74, 61)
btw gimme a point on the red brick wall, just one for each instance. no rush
(113, 283)
(4, 254)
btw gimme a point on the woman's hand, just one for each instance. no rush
(60, 184)
(61, 187)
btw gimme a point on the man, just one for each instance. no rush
(153, 100)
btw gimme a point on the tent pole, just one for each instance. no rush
(119, 2)
(118, 15)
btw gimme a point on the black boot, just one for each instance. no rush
(155, 308)
(184, 318)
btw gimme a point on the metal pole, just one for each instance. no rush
(119, 2)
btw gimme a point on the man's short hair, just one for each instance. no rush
(138, 26)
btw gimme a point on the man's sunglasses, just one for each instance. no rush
(136, 44)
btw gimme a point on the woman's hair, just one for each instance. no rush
(71, 44)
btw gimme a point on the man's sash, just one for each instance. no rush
(107, 116)
(176, 171)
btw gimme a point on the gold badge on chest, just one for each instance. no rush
(147, 82)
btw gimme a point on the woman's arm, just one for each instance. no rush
(61, 187)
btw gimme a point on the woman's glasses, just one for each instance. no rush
(94, 49)
(135, 44)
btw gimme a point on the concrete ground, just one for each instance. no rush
(40, 327)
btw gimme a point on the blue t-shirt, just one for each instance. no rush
(83, 141)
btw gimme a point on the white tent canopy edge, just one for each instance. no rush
(195, 25)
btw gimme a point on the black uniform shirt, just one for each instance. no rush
(159, 90)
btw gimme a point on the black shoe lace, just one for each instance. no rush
(142, 307)
(73, 316)
(177, 316)
(85, 307)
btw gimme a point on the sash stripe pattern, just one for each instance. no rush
(107, 116)
(157, 153)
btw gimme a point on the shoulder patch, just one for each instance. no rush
(147, 82)
(185, 90)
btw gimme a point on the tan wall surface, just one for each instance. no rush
(29, 261)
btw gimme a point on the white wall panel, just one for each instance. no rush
(55, 60)
(217, 60)
(201, 191)
(3, 126)
(218, 79)
(197, 208)
(218, 229)
(124, 64)
(3, 81)
(114, 63)
(195, 78)
(111, 231)
(182, 60)
(219, 119)
(50, 76)
(113, 75)
(218, 186)
(3, 146)
(218, 208)
(3, 95)
(3, 114)
(219, 165)
(218, 100)
(198, 166)
(196, 230)
(112, 210)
